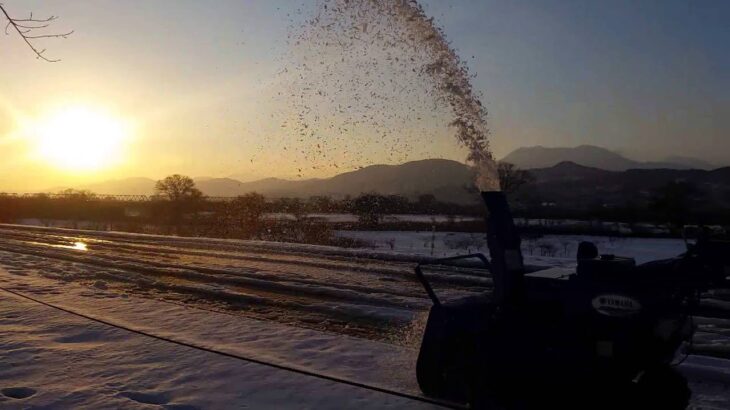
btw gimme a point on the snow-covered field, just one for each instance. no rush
(353, 315)
(56, 360)
(351, 218)
(549, 250)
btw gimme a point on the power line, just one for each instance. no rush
(241, 357)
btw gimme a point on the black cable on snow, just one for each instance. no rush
(241, 357)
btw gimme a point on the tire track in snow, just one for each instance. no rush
(263, 293)
(463, 276)
(251, 280)
(344, 310)
(370, 323)
(247, 358)
(340, 276)
(328, 290)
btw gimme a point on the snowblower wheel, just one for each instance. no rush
(663, 388)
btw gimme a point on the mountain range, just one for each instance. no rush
(445, 179)
(583, 169)
(595, 157)
(577, 186)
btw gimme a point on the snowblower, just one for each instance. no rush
(602, 335)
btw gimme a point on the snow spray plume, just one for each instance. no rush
(413, 49)
(451, 77)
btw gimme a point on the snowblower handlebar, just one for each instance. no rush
(440, 261)
(705, 265)
(503, 240)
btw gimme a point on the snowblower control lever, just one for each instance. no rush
(503, 240)
(441, 261)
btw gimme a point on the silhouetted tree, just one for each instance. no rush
(396, 204)
(512, 178)
(673, 202)
(177, 188)
(426, 203)
(320, 204)
(180, 193)
(76, 205)
(77, 194)
(292, 206)
(247, 212)
(369, 208)
(8, 207)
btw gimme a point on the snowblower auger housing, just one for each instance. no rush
(608, 329)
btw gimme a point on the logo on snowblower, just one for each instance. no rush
(616, 305)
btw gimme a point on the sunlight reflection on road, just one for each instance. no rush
(80, 246)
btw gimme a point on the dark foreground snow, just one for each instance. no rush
(202, 293)
(53, 359)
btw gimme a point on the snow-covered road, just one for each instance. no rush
(56, 360)
(309, 286)
(347, 314)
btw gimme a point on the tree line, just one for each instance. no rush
(178, 205)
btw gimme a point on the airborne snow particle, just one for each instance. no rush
(361, 70)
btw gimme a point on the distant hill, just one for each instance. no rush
(569, 172)
(689, 162)
(126, 186)
(445, 179)
(596, 157)
(450, 181)
(571, 185)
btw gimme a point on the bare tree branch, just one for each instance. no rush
(25, 26)
(31, 27)
(45, 20)
(64, 35)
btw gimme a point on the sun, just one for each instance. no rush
(80, 138)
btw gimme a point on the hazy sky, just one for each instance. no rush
(193, 80)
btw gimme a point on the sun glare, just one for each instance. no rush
(80, 138)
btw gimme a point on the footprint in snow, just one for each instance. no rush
(146, 398)
(84, 336)
(18, 392)
(180, 407)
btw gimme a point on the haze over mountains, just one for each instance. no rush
(444, 178)
(570, 184)
(450, 180)
(595, 157)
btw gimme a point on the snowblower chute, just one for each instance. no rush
(603, 335)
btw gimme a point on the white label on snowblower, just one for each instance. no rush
(616, 305)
